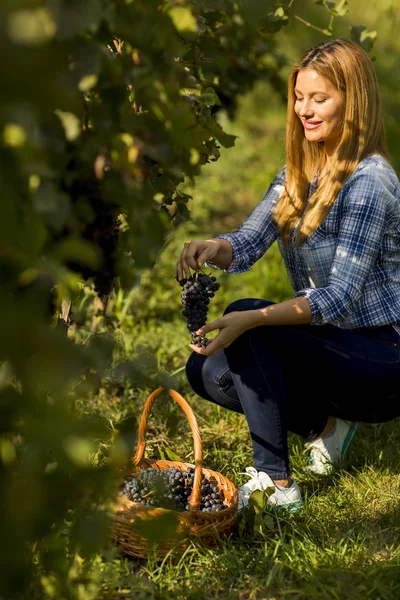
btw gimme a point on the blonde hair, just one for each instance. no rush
(347, 66)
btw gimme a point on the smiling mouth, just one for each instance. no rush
(311, 124)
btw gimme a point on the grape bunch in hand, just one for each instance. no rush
(196, 294)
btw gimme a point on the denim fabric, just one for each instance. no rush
(293, 377)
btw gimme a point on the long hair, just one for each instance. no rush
(347, 66)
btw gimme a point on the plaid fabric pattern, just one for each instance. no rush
(349, 268)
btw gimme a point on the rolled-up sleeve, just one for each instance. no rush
(362, 226)
(253, 238)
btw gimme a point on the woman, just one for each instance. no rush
(329, 358)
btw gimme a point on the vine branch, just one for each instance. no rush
(307, 24)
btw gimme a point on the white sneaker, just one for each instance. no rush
(289, 498)
(330, 450)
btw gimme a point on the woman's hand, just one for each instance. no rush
(195, 253)
(230, 326)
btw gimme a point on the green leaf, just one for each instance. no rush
(278, 15)
(33, 27)
(269, 522)
(183, 19)
(255, 10)
(87, 82)
(226, 140)
(274, 21)
(78, 449)
(161, 453)
(363, 36)
(209, 97)
(14, 135)
(258, 498)
(158, 528)
(172, 456)
(339, 9)
(71, 124)
(259, 527)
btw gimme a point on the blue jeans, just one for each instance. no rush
(293, 377)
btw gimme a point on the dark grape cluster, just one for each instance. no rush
(171, 489)
(196, 294)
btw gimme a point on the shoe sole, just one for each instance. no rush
(292, 507)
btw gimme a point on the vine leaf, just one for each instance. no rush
(183, 19)
(363, 36)
(226, 140)
(255, 10)
(339, 9)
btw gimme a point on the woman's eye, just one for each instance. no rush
(298, 99)
(320, 101)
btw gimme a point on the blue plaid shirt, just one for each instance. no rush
(349, 268)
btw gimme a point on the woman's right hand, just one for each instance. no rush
(195, 253)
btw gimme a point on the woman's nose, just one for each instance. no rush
(305, 109)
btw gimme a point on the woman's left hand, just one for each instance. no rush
(230, 326)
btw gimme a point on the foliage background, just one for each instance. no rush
(73, 422)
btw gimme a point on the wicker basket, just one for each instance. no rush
(208, 527)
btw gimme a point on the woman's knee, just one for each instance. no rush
(207, 376)
(210, 378)
(247, 304)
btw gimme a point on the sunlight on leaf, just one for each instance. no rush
(171, 455)
(78, 449)
(71, 124)
(363, 36)
(31, 27)
(258, 498)
(183, 19)
(7, 452)
(339, 9)
(194, 156)
(28, 276)
(14, 135)
(87, 82)
(34, 182)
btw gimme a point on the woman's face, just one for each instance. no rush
(319, 105)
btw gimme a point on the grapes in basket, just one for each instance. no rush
(171, 489)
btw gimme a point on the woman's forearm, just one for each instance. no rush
(290, 312)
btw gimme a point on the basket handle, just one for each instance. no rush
(195, 496)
